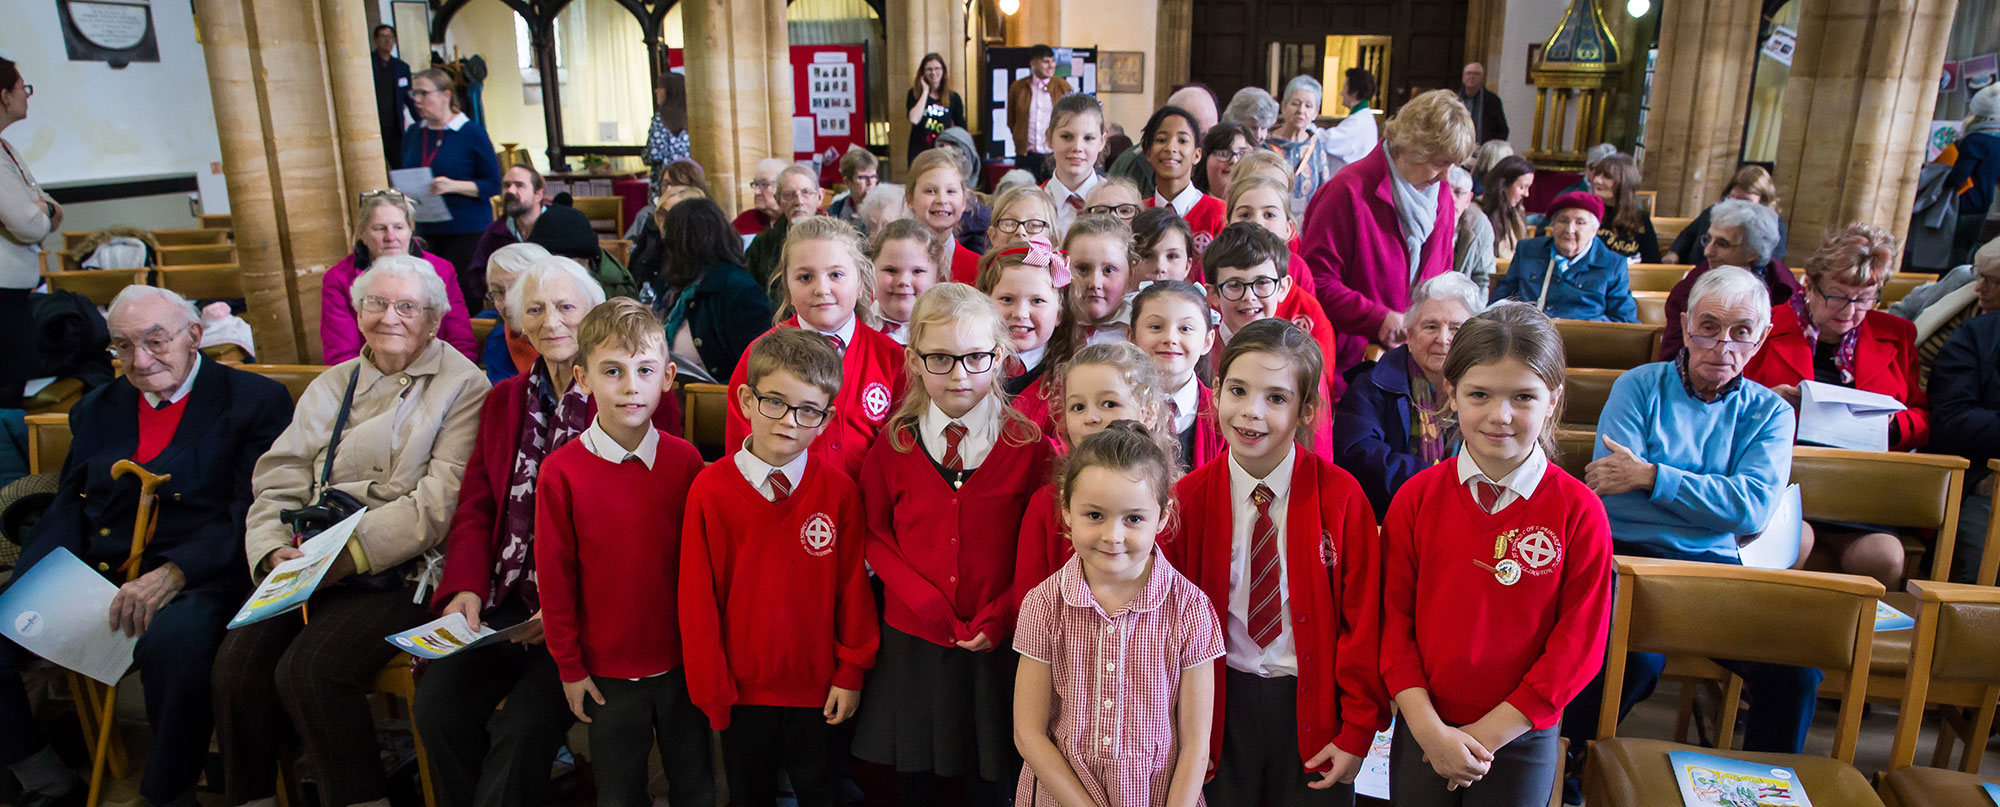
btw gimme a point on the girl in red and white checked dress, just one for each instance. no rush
(1117, 649)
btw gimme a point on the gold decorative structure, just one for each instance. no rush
(1581, 61)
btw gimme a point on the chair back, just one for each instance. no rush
(295, 377)
(188, 238)
(215, 281)
(704, 413)
(1902, 283)
(99, 285)
(1584, 393)
(1715, 610)
(1573, 449)
(1881, 487)
(216, 221)
(1608, 345)
(1656, 276)
(198, 254)
(1652, 307)
(1667, 228)
(618, 248)
(48, 442)
(605, 212)
(1957, 641)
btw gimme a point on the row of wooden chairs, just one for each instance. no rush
(200, 236)
(1661, 277)
(223, 281)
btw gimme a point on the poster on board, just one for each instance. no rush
(117, 32)
(829, 103)
(1979, 72)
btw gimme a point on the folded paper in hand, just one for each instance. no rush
(1832, 415)
(1777, 546)
(450, 634)
(61, 610)
(292, 582)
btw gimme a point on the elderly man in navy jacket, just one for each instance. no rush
(205, 424)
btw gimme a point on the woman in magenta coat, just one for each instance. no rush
(1383, 225)
(387, 224)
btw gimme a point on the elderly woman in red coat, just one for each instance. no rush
(1833, 334)
(1384, 224)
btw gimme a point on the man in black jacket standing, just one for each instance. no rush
(392, 92)
(1488, 118)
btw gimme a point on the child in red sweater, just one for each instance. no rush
(1026, 284)
(1251, 282)
(1162, 247)
(1264, 200)
(1172, 140)
(608, 511)
(1284, 544)
(901, 251)
(829, 287)
(1170, 321)
(945, 491)
(777, 621)
(1497, 581)
(1100, 257)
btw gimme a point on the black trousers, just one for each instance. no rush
(173, 658)
(1037, 164)
(17, 332)
(458, 248)
(480, 756)
(1523, 773)
(1260, 764)
(283, 678)
(622, 732)
(761, 741)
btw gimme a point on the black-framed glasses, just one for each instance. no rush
(29, 89)
(1706, 342)
(1028, 226)
(1263, 287)
(807, 417)
(404, 308)
(941, 363)
(1233, 155)
(1840, 303)
(1125, 212)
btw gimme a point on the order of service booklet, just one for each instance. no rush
(1711, 781)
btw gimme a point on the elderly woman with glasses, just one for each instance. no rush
(385, 227)
(1738, 232)
(1395, 419)
(1832, 334)
(411, 411)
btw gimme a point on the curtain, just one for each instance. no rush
(607, 95)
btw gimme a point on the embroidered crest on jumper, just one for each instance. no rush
(1537, 549)
(817, 535)
(875, 400)
(1328, 553)
(1201, 242)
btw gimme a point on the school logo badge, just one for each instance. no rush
(1328, 553)
(817, 535)
(1201, 241)
(1537, 549)
(875, 400)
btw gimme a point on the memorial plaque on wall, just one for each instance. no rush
(118, 32)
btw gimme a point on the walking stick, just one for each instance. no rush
(142, 534)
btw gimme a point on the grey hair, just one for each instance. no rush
(133, 294)
(549, 267)
(1011, 179)
(515, 258)
(1252, 107)
(1450, 287)
(411, 268)
(1731, 285)
(1598, 152)
(776, 165)
(800, 169)
(1304, 83)
(884, 203)
(1460, 179)
(1759, 225)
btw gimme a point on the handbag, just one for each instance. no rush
(334, 506)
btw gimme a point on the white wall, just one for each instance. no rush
(1130, 25)
(91, 123)
(487, 28)
(1529, 22)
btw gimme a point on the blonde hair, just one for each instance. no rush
(1261, 160)
(1242, 185)
(954, 305)
(365, 212)
(934, 160)
(826, 228)
(1755, 179)
(1135, 368)
(1026, 194)
(1433, 127)
(1857, 254)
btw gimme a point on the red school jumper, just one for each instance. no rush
(1453, 625)
(964, 264)
(1034, 403)
(946, 557)
(1332, 582)
(1044, 544)
(871, 383)
(608, 541)
(774, 602)
(1208, 440)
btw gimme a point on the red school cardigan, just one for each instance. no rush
(1205, 220)
(476, 527)
(871, 384)
(1333, 584)
(1885, 361)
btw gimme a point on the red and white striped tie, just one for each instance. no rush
(781, 487)
(954, 433)
(1266, 604)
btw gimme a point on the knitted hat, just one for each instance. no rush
(1578, 199)
(1985, 104)
(565, 231)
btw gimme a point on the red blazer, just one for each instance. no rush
(1044, 544)
(871, 384)
(475, 527)
(964, 264)
(1336, 615)
(1885, 361)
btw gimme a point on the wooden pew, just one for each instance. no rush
(200, 254)
(189, 238)
(207, 282)
(99, 285)
(1608, 345)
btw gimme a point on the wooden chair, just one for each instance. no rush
(1668, 228)
(216, 221)
(295, 377)
(1955, 644)
(72, 238)
(1902, 283)
(1608, 345)
(1584, 393)
(1709, 610)
(618, 248)
(99, 285)
(398, 681)
(189, 238)
(203, 282)
(1573, 449)
(55, 398)
(1648, 200)
(1656, 276)
(704, 411)
(198, 254)
(1652, 307)
(481, 328)
(48, 442)
(605, 213)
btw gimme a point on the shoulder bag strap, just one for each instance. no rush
(339, 424)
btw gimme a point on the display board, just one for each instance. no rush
(1004, 66)
(829, 103)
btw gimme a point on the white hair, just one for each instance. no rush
(1450, 287)
(1984, 106)
(884, 204)
(1598, 153)
(1252, 107)
(1460, 179)
(1305, 83)
(798, 169)
(515, 258)
(1759, 225)
(772, 164)
(541, 271)
(1731, 285)
(1011, 179)
(133, 294)
(411, 268)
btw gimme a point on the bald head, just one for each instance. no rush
(1474, 77)
(1198, 102)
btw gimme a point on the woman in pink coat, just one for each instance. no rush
(387, 224)
(1384, 224)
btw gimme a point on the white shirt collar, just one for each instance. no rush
(1241, 483)
(1031, 359)
(457, 120)
(899, 331)
(600, 442)
(1187, 401)
(1058, 191)
(187, 386)
(846, 332)
(1521, 482)
(982, 428)
(1183, 202)
(758, 472)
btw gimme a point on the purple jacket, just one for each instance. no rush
(340, 333)
(1353, 245)
(496, 236)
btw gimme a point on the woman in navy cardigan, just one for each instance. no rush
(1392, 422)
(1591, 281)
(464, 172)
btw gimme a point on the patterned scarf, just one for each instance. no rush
(1416, 213)
(550, 422)
(1844, 358)
(1433, 428)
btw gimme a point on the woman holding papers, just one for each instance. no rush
(408, 410)
(464, 172)
(1832, 334)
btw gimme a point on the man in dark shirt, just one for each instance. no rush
(1488, 118)
(392, 93)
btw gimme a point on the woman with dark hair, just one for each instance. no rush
(711, 305)
(933, 106)
(667, 137)
(1628, 226)
(27, 215)
(1507, 187)
(1221, 147)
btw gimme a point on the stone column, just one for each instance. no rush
(1485, 30)
(351, 80)
(739, 81)
(914, 28)
(1694, 136)
(1857, 111)
(1173, 45)
(282, 151)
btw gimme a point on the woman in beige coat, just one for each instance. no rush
(403, 450)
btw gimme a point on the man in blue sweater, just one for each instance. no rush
(1691, 458)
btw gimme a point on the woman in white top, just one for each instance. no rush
(27, 215)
